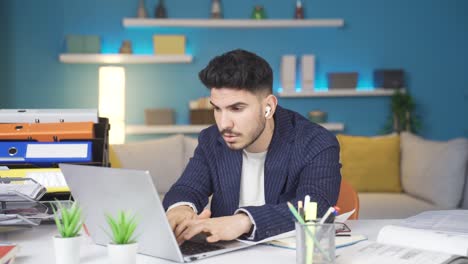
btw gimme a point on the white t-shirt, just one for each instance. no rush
(252, 185)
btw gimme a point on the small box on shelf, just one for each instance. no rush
(169, 44)
(389, 78)
(202, 117)
(342, 80)
(159, 116)
(83, 44)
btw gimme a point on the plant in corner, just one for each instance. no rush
(123, 248)
(69, 222)
(403, 117)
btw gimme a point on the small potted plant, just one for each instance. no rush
(123, 247)
(67, 244)
(402, 117)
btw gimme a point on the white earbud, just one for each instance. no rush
(267, 110)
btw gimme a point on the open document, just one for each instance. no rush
(442, 231)
(424, 239)
(373, 252)
(433, 237)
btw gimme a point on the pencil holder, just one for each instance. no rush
(315, 243)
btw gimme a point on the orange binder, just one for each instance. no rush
(47, 132)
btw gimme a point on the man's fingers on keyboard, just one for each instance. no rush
(180, 239)
(212, 239)
(181, 227)
(194, 228)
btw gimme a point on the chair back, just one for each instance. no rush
(348, 199)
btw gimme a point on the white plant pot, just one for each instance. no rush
(67, 250)
(122, 254)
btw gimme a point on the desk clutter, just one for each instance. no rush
(32, 144)
(431, 237)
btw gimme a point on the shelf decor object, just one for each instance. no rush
(141, 13)
(258, 13)
(126, 47)
(216, 9)
(169, 44)
(160, 11)
(299, 12)
(83, 44)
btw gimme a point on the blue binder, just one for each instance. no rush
(15, 152)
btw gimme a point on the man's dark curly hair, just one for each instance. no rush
(238, 69)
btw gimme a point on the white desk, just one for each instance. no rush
(36, 246)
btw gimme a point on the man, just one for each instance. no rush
(256, 158)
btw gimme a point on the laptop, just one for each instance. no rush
(101, 190)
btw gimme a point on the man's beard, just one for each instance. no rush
(257, 134)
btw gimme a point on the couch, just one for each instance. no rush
(165, 159)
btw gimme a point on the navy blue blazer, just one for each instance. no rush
(302, 158)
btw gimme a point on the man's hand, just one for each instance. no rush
(220, 228)
(181, 214)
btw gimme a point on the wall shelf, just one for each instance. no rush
(341, 93)
(123, 58)
(232, 23)
(164, 129)
(193, 129)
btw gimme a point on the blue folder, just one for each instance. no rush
(16, 152)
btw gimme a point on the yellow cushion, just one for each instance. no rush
(113, 158)
(371, 164)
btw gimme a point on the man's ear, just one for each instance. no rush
(271, 101)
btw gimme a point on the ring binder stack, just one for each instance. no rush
(40, 139)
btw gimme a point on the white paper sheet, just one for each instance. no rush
(455, 221)
(424, 239)
(368, 252)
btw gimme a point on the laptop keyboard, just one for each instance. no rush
(193, 248)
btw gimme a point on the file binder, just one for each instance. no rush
(48, 115)
(47, 132)
(14, 152)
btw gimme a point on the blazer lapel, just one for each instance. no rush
(229, 164)
(277, 159)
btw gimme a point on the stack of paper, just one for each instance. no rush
(14, 192)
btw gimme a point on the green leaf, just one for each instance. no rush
(114, 228)
(122, 227)
(75, 217)
(65, 217)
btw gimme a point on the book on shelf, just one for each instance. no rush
(432, 237)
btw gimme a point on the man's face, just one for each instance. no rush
(239, 116)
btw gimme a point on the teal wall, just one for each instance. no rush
(5, 61)
(428, 39)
